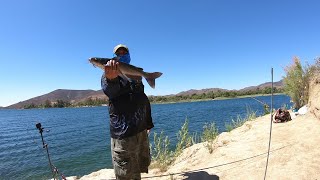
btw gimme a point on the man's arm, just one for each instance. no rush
(149, 117)
(110, 87)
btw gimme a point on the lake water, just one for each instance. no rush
(79, 140)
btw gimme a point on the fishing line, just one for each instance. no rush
(249, 159)
(265, 173)
(263, 103)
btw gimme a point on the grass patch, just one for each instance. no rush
(184, 139)
(210, 132)
(163, 156)
(240, 121)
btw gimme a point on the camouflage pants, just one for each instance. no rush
(131, 156)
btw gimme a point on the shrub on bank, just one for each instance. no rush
(297, 80)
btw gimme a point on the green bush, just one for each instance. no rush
(297, 79)
(209, 134)
(184, 139)
(161, 155)
(228, 127)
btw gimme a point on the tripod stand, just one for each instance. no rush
(54, 170)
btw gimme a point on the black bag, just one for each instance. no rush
(282, 115)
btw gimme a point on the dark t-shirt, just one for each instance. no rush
(129, 107)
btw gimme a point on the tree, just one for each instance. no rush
(60, 104)
(211, 95)
(47, 104)
(29, 106)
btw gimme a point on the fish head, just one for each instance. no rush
(95, 60)
(100, 62)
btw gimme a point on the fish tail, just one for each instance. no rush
(151, 78)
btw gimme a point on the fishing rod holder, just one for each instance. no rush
(53, 169)
(38, 126)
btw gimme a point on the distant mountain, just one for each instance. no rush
(72, 96)
(75, 96)
(277, 84)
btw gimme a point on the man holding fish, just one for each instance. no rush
(130, 112)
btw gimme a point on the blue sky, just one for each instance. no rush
(45, 45)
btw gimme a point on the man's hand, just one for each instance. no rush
(111, 69)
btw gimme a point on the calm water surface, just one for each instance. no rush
(79, 140)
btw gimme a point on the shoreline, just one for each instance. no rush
(293, 143)
(217, 99)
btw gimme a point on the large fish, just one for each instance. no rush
(127, 70)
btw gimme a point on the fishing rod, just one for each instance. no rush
(265, 173)
(54, 170)
(263, 103)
